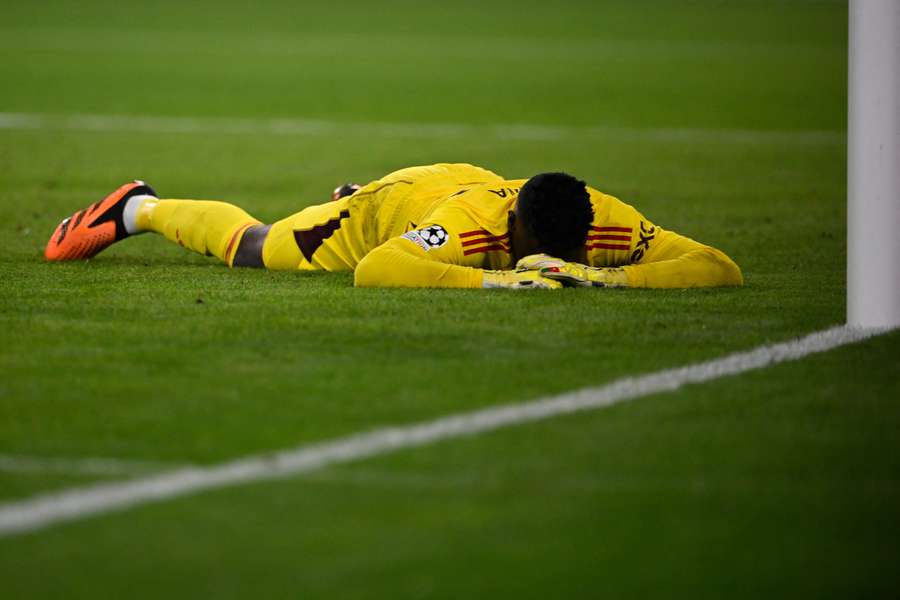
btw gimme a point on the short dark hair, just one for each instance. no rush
(556, 208)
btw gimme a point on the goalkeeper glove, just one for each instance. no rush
(572, 273)
(518, 280)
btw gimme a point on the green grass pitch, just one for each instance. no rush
(722, 120)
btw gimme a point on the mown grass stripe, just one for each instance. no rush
(100, 466)
(314, 128)
(80, 502)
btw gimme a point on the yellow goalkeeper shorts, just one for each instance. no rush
(336, 235)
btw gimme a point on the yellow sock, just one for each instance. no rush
(205, 226)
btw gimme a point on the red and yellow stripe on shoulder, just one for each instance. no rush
(609, 237)
(481, 240)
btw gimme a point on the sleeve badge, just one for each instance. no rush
(428, 238)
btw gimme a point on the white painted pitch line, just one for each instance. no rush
(19, 463)
(80, 502)
(322, 128)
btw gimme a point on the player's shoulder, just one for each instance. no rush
(480, 209)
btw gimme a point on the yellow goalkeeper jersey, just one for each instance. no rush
(441, 225)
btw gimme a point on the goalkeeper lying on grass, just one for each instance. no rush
(444, 225)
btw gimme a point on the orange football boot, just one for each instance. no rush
(93, 229)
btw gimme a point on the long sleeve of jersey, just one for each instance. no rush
(676, 261)
(400, 263)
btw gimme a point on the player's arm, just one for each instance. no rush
(683, 263)
(402, 262)
(670, 260)
(432, 256)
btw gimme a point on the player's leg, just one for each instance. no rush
(334, 236)
(249, 251)
(208, 227)
(327, 237)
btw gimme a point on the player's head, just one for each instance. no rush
(552, 216)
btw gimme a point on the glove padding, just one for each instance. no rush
(572, 273)
(519, 280)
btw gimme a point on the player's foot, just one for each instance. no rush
(348, 189)
(93, 229)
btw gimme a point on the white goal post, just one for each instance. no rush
(873, 185)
